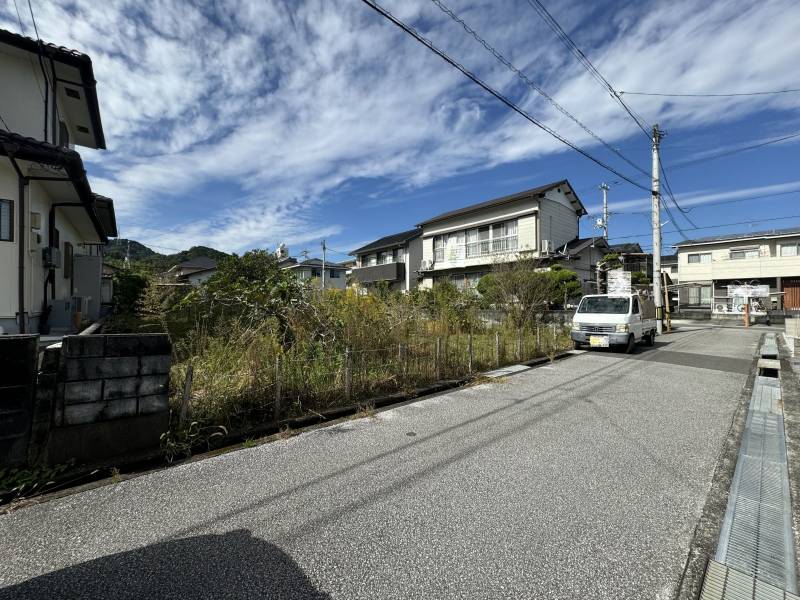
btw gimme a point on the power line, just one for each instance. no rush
(705, 204)
(688, 163)
(530, 83)
(722, 95)
(584, 60)
(486, 87)
(626, 237)
(35, 29)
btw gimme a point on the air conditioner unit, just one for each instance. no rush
(546, 246)
(51, 258)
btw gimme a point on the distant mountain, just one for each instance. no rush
(116, 250)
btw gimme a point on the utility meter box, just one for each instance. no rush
(51, 258)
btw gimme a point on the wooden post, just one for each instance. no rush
(519, 345)
(497, 348)
(278, 374)
(187, 394)
(538, 338)
(438, 358)
(747, 312)
(469, 353)
(347, 374)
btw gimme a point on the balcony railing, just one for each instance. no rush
(477, 249)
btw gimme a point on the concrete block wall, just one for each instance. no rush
(18, 354)
(105, 377)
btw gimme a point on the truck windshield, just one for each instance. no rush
(604, 305)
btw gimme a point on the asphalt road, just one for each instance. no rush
(581, 479)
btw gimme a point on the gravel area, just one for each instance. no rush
(580, 479)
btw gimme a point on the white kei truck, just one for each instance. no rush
(614, 320)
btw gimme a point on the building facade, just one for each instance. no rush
(52, 226)
(394, 259)
(311, 270)
(462, 245)
(713, 271)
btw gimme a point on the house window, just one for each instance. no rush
(372, 260)
(700, 295)
(67, 260)
(439, 243)
(743, 253)
(397, 255)
(699, 258)
(382, 258)
(790, 249)
(6, 221)
(335, 274)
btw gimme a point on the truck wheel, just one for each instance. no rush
(631, 343)
(577, 345)
(651, 338)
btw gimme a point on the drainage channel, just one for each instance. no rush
(755, 554)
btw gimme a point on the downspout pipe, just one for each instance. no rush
(21, 212)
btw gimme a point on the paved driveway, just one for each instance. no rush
(582, 479)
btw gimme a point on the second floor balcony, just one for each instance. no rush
(477, 249)
(394, 271)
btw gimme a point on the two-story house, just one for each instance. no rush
(708, 266)
(462, 245)
(52, 226)
(394, 259)
(311, 270)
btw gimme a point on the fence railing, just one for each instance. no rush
(291, 384)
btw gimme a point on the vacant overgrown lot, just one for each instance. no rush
(262, 346)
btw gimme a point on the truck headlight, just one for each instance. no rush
(576, 326)
(623, 328)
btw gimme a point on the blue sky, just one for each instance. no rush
(244, 123)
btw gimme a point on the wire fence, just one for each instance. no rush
(269, 385)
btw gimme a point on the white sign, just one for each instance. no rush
(748, 291)
(619, 282)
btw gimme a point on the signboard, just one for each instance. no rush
(619, 282)
(748, 291)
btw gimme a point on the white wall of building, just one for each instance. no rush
(719, 265)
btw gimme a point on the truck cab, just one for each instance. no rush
(613, 320)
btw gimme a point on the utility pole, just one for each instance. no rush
(604, 187)
(657, 231)
(324, 248)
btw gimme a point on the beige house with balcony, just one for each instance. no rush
(708, 266)
(462, 245)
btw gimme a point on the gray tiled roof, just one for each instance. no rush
(740, 236)
(396, 239)
(506, 199)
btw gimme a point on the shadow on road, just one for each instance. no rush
(231, 565)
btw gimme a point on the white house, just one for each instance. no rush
(711, 268)
(52, 226)
(464, 244)
(393, 259)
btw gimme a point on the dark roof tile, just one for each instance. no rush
(396, 239)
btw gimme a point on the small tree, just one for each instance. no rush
(640, 278)
(567, 285)
(521, 288)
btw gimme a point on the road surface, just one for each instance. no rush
(580, 479)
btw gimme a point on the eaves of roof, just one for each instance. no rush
(73, 58)
(24, 148)
(389, 241)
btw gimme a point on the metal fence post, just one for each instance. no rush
(278, 374)
(497, 348)
(438, 358)
(538, 338)
(469, 352)
(519, 345)
(347, 374)
(187, 393)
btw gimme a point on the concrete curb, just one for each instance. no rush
(790, 396)
(706, 533)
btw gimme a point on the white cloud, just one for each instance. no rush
(288, 100)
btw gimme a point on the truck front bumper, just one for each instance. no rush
(582, 337)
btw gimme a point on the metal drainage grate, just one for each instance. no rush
(756, 535)
(723, 583)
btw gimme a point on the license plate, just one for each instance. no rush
(598, 341)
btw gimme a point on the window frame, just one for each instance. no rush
(700, 256)
(795, 245)
(10, 204)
